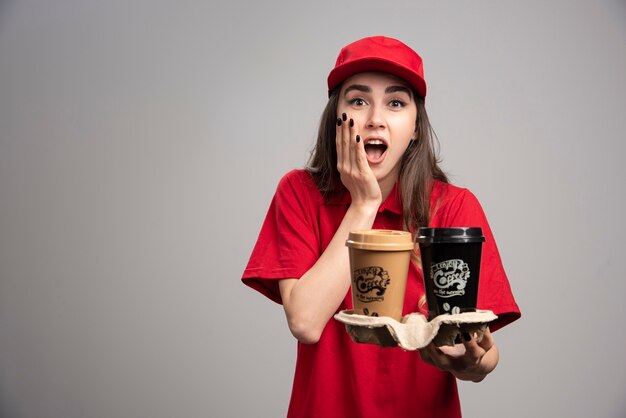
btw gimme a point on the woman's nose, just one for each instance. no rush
(375, 118)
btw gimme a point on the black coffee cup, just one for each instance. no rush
(451, 268)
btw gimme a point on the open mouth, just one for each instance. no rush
(375, 150)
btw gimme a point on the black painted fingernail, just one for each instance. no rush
(351, 123)
(358, 139)
(344, 116)
(466, 336)
(338, 121)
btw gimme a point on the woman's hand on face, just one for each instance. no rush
(471, 360)
(353, 167)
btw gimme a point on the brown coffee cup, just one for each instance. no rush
(379, 264)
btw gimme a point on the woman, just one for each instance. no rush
(373, 167)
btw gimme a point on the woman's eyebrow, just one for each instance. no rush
(366, 89)
(396, 89)
(359, 87)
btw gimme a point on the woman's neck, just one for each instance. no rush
(386, 185)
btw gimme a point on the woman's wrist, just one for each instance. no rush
(366, 210)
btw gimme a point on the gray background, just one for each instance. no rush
(141, 143)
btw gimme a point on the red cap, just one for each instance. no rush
(379, 53)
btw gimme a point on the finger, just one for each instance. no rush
(345, 139)
(353, 145)
(487, 342)
(339, 145)
(437, 358)
(473, 352)
(425, 356)
(359, 159)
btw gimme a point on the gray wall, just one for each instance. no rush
(141, 143)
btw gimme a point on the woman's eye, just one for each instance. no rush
(357, 101)
(397, 103)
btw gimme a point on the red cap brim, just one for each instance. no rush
(342, 72)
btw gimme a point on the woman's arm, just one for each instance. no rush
(311, 300)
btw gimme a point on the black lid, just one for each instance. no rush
(454, 235)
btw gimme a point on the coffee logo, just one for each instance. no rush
(452, 310)
(368, 313)
(371, 283)
(450, 278)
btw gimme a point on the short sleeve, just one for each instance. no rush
(288, 244)
(463, 209)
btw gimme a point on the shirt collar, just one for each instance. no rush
(392, 203)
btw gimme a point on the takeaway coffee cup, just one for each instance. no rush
(451, 268)
(379, 262)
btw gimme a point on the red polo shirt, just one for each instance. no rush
(337, 377)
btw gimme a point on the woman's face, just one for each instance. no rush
(384, 113)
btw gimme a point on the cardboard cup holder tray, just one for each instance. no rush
(414, 331)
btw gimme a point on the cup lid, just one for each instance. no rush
(454, 235)
(380, 240)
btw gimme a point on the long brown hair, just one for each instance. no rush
(418, 167)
